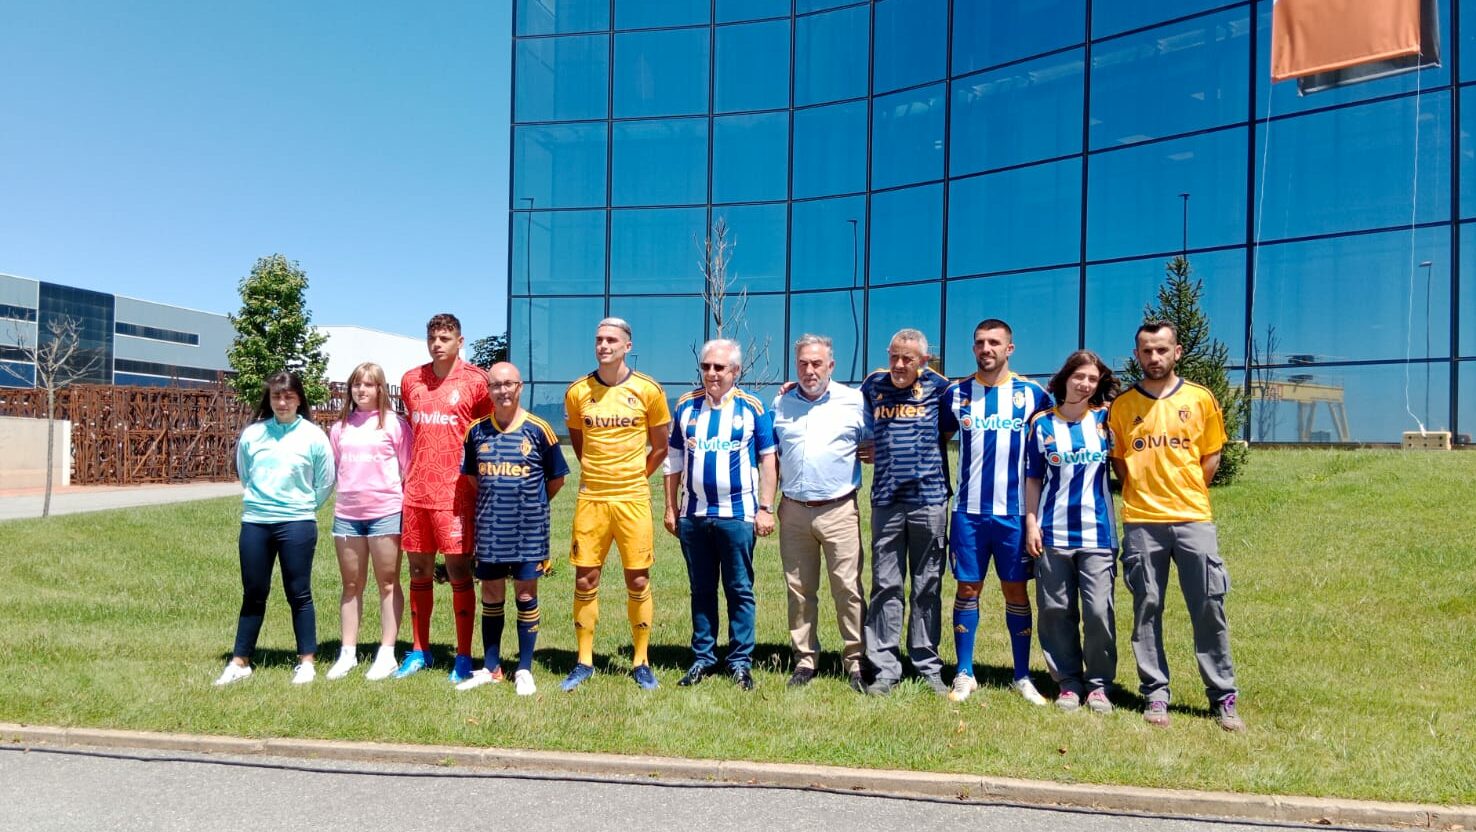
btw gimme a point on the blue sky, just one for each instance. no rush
(157, 149)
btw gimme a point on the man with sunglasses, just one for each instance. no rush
(722, 450)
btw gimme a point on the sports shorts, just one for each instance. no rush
(428, 530)
(975, 539)
(526, 570)
(625, 522)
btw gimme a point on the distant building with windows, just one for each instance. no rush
(123, 340)
(928, 163)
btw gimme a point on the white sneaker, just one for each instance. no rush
(304, 673)
(1026, 689)
(481, 677)
(347, 660)
(963, 685)
(384, 665)
(233, 673)
(524, 681)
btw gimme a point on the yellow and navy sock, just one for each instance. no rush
(492, 620)
(527, 631)
(1017, 621)
(640, 609)
(965, 625)
(586, 616)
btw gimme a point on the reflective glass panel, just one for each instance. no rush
(827, 247)
(988, 109)
(1468, 150)
(750, 157)
(907, 140)
(757, 234)
(837, 315)
(1039, 306)
(830, 150)
(661, 73)
(660, 162)
(558, 333)
(831, 56)
(911, 43)
(560, 165)
(907, 238)
(1468, 47)
(757, 324)
(1305, 303)
(562, 79)
(752, 67)
(649, 14)
(1468, 298)
(547, 401)
(901, 307)
(666, 335)
(1355, 168)
(802, 6)
(1016, 219)
(656, 250)
(17, 374)
(1467, 401)
(1133, 195)
(1113, 16)
(1285, 98)
(731, 10)
(991, 32)
(1117, 293)
(1349, 404)
(1193, 72)
(568, 252)
(557, 17)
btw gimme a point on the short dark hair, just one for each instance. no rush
(1107, 385)
(995, 323)
(445, 320)
(275, 383)
(1155, 326)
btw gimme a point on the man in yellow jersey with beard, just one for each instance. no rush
(618, 421)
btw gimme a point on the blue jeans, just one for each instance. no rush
(261, 545)
(715, 546)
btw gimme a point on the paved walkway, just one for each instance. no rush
(19, 503)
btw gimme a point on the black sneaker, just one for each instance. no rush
(800, 677)
(696, 673)
(743, 678)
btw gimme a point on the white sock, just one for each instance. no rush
(347, 653)
(386, 651)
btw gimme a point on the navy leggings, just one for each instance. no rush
(261, 544)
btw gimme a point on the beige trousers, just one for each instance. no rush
(805, 534)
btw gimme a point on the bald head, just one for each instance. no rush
(505, 384)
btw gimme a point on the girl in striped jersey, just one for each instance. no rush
(1071, 532)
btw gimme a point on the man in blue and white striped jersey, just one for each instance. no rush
(723, 452)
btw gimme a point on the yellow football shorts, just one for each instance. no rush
(626, 522)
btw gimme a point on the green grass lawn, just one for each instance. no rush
(1353, 619)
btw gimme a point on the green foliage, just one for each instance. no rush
(489, 350)
(1204, 358)
(274, 332)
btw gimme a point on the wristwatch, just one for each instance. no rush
(766, 507)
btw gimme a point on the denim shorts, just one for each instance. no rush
(377, 527)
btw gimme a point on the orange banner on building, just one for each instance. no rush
(1313, 36)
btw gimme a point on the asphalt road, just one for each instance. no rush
(17, 505)
(73, 789)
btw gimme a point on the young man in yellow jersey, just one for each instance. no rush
(1167, 434)
(618, 421)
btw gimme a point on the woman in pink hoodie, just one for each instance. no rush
(371, 448)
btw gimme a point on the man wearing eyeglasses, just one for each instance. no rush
(722, 450)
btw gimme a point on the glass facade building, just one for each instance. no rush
(929, 163)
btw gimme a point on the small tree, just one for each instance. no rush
(489, 350)
(60, 362)
(727, 303)
(1204, 357)
(274, 332)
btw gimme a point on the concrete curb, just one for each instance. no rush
(1132, 799)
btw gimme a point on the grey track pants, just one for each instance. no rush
(907, 541)
(1193, 548)
(1078, 633)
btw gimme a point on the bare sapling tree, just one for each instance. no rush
(60, 362)
(727, 304)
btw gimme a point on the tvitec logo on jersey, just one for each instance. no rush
(420, 417)
(993, 421)
(1082, 457)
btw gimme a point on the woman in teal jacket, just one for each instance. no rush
(286, 468)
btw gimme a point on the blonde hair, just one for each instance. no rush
(375, 373)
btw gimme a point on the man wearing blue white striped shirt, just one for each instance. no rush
(723, 452)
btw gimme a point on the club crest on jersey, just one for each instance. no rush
(631, 401)
(917, 391)
(737, 422)
(1019, 398)
(454, 397)
(1101, 430)
(484, 448)
(1184, 414)
(527, 447)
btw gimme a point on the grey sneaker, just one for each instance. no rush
(935, 682)
(1068, 700)
(1157, 713)
(1227, 717)
(881, 687)
(1098, 702)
